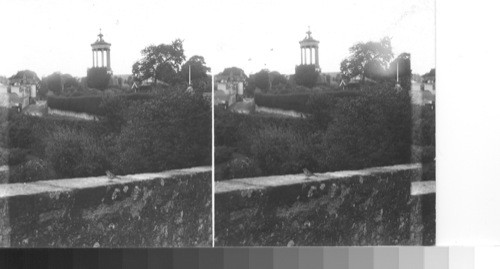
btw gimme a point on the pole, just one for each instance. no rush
(397, 72)
(189, 74)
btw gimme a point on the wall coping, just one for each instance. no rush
(65, 185)
(259, 183)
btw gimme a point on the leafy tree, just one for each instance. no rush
(261, 80)
(306, 75)
(98, 78)
(161, 62)
(27, 76)
(235, 71)
(199, 72)
(372, 55)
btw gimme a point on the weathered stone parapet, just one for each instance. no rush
(167, 209)
(366, 207)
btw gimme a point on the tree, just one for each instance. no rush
(234, 71)
(25, 76)
(306, 75)
(199, 72)
(261, 80)
(370, 54)
(161, 62)
(98, 78)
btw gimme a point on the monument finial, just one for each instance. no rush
(308, 32)
(100, 34)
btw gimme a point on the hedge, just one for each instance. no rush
(89, 104)
(299, 102)
(370, 128)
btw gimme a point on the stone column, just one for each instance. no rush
(108, 60)
(102, 58)
(310, 55)
(301, 56)
(93, 58)
(317, 57)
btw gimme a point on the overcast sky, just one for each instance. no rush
(54, 35)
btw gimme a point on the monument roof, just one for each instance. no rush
(100, 41)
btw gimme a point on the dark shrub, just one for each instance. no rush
(75, 153)
(223, 153)
(20, 132)
(17, 156)
(98, 77)
(80, 104)
(370, 130)
(172, 130)
(282, 150)
(306, 75)
(32, 170)
(306, 102)
(239, 167)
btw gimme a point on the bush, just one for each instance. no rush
(301, 102)
(371, 130)
(75, 153)
(172, 130)
(282, 150)
(17, 156)
(223, 154)
(33, 170)
(94, 105)
(80, 104)
(306, 75)
(239, 167)
(98, 77)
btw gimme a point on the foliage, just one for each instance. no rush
(261, 80)
(346, 130)
(362, 55)
(81, 104)
(161, 62)
(299, 102)
(89, 104)
(32, 170)
(306, 75)
(25, 76)
(169, 131)
(371, 130)
(98, 78)
(75, 153)
(235, 71)
(199, 73)
(223, 153)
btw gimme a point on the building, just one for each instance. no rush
(309, 47)
(101, 53)
(228, 88)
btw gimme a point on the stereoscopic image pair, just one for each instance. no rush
(220, 126)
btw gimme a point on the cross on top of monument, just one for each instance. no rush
(100, 35)
(308, 32)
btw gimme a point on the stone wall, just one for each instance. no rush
(367, 207)
(168, 209)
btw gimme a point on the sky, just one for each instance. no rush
(55, 35)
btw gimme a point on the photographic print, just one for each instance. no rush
(325, 124)
(105, 125)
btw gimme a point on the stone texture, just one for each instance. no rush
(169, 209)
(367, 207)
